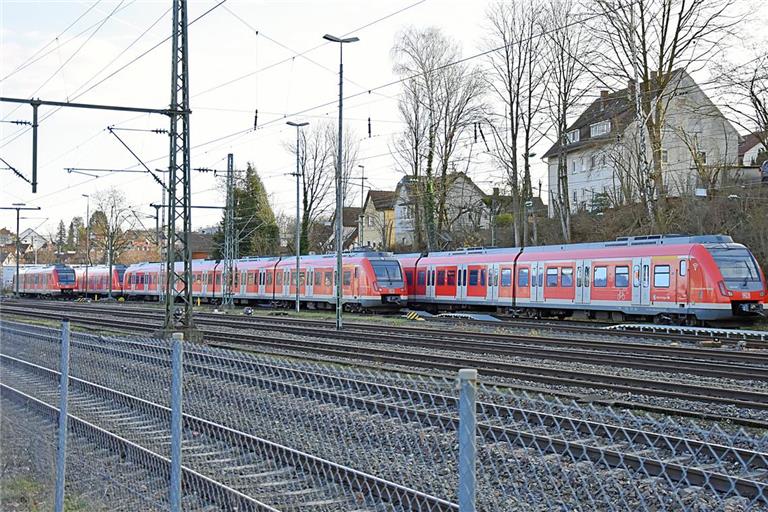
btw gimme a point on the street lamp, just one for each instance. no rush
(362, 203)
(18, 207)
(298, 237)
(339, 167)
(87, 238)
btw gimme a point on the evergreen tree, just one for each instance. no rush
(61, 238)
(70, 243)
(255, 226)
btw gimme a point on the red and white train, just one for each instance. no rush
(670, 277)
(46, 280)
(369, 281)
(98, 280)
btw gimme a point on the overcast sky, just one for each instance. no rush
(66, 48)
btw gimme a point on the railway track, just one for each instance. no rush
(236, 470)
(693, 461)
(377, 353)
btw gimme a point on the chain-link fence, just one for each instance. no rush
(261, 432)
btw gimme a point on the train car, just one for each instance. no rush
(684, 279)
(46, 280)
(370, 280)
(98, 280)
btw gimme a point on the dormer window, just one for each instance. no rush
(601, 128)
(572, 136)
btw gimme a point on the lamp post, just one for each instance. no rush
(18, 207)
(339, 167)
(87, 238)
(298, 235)
(362, 204)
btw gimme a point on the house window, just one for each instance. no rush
(552, 277)
(622, 277)
(572, 136)
(701, 157)
(593, 161)
(661, 276)
(575, 196)
(664, 156)
(601, 277)
(601, 128)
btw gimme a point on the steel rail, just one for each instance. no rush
(666, 411)
(674, 360)
(610, 456)
(358, 480)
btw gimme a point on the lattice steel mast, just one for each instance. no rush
(229, 236)
(178, 283)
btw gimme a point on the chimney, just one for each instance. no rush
(603, 98)
(604, 94)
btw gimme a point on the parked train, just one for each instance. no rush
(685, 279)
(370, 280)
(97, 283)
(46, 280)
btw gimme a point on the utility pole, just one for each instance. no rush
(178, 285)
(362, 205)
(18, 207)
(227, 300)
(339, 170)
(298, 213)
(87, 238)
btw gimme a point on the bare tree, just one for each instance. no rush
(111, 231)
(518, 81)
(568, 54)
(646, 43)
(440, 100)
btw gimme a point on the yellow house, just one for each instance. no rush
(378, 220)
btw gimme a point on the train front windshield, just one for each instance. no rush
(388, 273)
(66, 276)
(736, 265)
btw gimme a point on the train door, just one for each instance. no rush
(641, 281)
(493, 282)
(682, 282)
(431, 281)
(461, 281)
(537, 281)
(308, 289)
(583, 281)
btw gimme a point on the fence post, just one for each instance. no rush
(176, 418)
(61, 453)
(467, 438)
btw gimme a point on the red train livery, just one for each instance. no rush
(370, 280)
(671, 277)
(98, 280)
(46, 280)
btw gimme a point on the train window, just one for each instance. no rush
(522, 277)
(646, 280)
(552, 277)
(279, 278)
(328, 278)
(356, 273)
(621, 280)
(586, 276)
(347, 276)
(683, 267)
(578, 276)
(661, 276)
(450, 278)
(473, 277)
(482, 277)
(566, 277)
(601, 277)
(441, 278)
(318, 278)
(409, 277)
(506, 277)
(636, 276)
(302, 278)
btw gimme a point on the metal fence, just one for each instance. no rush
(138, 430)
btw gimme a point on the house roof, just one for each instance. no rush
(749, 141)
(617, 107)
(4, 231)
(199, 242)
(382, 199)
(350, 216)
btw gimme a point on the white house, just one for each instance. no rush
(603, 142)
